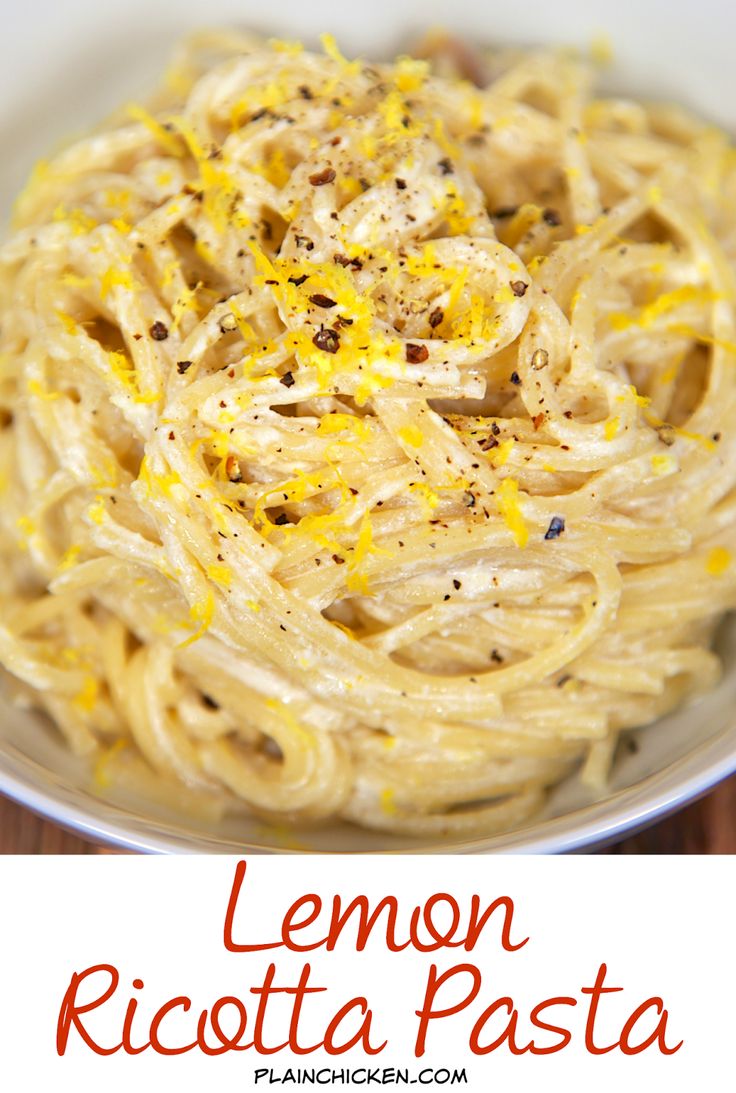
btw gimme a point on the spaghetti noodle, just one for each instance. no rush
(367, 444)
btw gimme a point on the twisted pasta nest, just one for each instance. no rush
(367, 444)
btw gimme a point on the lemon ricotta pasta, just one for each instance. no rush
(367, 445)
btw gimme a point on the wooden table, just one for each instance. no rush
(707, 827)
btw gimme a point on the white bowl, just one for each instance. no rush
(73, 61)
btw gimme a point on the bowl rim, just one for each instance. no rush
(583, 829)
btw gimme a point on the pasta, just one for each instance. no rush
(367, 444)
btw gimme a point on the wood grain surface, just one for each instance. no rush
(706, 827)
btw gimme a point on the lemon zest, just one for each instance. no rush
(86, 698)
(168, 140)
(610, 429)
(220, 574)
(412, 436)
(69, 558)
(202, 612)
(507, 502)
(718, 561)
(388, 803)
(663, 464)
(101, 773)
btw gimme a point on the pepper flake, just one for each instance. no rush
(327, 340)
(416, 354)
(556, 527)
(321, 178)
(159, 331)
